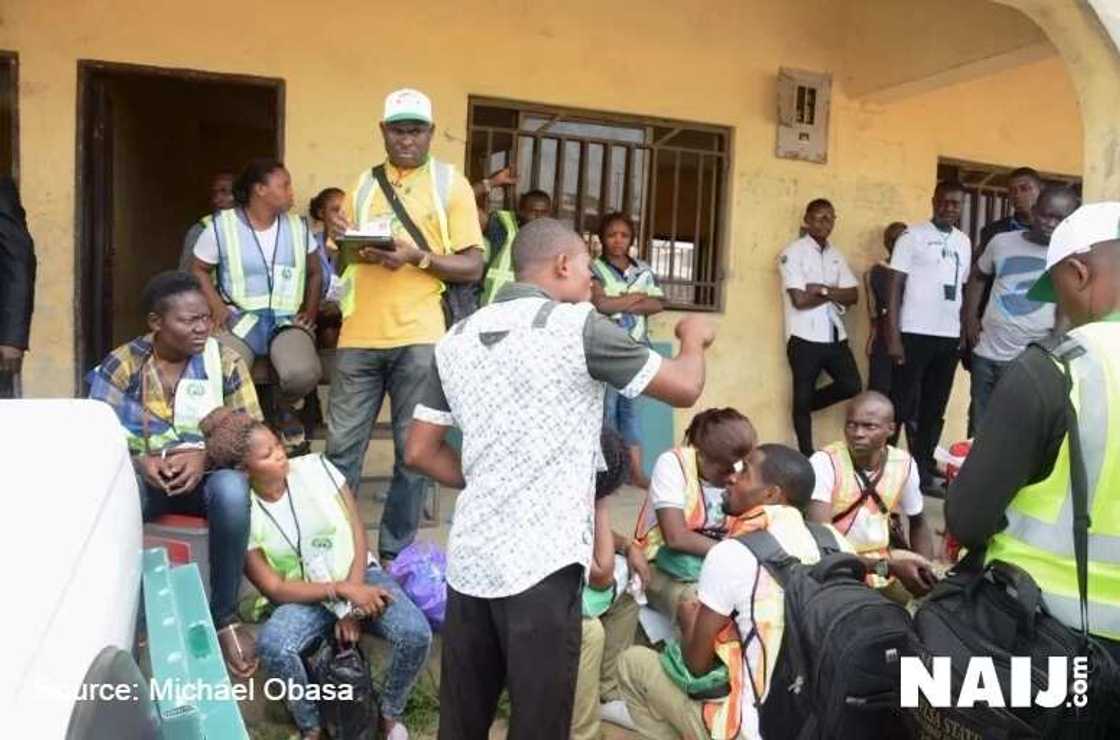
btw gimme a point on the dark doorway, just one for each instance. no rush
(9, 114)
(149, 142)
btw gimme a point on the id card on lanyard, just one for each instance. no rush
(950, 255)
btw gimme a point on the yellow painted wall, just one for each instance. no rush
(711, 62)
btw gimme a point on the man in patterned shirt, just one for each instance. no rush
(523, 379)
(160, 386)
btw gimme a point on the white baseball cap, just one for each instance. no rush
(407, 105)
(1089, 225)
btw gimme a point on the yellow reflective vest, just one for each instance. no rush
(1039, 533)
(500, 270)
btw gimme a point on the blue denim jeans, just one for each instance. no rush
(292, 627)
(223, 498)
(621, 414)
(985, 375)
(361, 379)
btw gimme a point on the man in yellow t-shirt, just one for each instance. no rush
(395, 315)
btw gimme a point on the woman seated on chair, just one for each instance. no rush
(308, 557)
(160, 386)
(257, 265)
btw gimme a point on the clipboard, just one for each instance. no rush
(348, 247)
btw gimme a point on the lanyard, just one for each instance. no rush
(275, 248)
(956, 257)
(297, 547)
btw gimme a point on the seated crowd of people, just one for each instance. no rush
(544, 590)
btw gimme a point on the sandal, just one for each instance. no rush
(239, 650)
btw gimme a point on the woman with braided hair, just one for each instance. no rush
(683, 516)
(308, 557)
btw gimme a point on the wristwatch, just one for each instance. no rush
(425, 261)
(882, 568)
(824, 291)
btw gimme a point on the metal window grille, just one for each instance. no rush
(985, 185)
(668, 176)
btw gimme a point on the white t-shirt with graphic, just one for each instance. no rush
(1012, 321)
(936, 265)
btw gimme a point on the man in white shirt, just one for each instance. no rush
(523, 378)
(817, 288)
(862, 481)
(1012, 261)
(930, 267)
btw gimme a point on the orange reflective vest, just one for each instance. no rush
(849, 498)
(723, 717)
(648, 534)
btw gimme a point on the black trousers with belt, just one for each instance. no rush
(922, 386)
(528, 642)
(807, 360)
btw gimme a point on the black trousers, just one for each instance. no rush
(920, 394)
(880, 369)
(529, 643)
(807, 360)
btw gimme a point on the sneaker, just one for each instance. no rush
(616, 713)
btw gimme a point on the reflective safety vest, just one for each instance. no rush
(194, 399)
(442, 176)
(648, 534)
(614, 285)
(500, 269)
(873, 535)
(263, 294)
(1039, 533)
(723, 717)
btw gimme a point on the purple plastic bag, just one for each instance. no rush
(421, 571)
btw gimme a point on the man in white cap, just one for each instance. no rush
(1014, 495)
(392, 314)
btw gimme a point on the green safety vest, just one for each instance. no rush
(194, 399)
(245, 278)
(500, 270)
(615, 286)
(1039, 533)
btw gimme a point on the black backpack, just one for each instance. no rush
(837, 675)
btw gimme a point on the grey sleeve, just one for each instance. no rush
(432, 405)
(613, 357)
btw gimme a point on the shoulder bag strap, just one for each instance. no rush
(409, 225)
(1079, 489)
(824, 537)
(769, 553)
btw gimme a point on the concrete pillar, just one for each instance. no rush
(1090, 51)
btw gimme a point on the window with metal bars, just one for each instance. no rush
(985, 185)
(669, 176)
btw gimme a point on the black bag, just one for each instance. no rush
(329, 665)
(996, 610)
(460, 300)
(838, 672)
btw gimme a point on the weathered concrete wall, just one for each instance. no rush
(715, 62)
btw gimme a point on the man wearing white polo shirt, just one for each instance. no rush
(817, 288)
(930, 267)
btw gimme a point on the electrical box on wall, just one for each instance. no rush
(803, 104)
